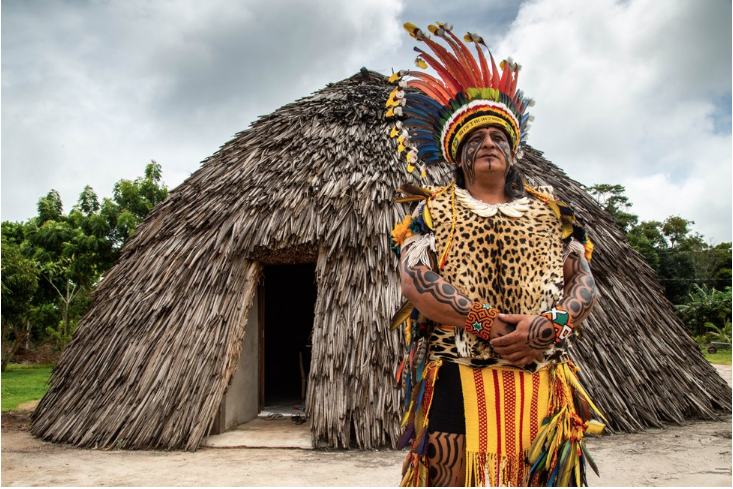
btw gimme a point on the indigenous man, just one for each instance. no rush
(497, 278)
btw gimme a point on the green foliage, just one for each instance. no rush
(678, 255)
(21, 384)
(706, 306)
(720, 357)
(720, 334)
(612, 199)
(57, 260)
(20, 278)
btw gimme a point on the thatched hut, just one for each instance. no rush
(277, 247)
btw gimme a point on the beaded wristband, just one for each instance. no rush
(480, 319)
(561, 321)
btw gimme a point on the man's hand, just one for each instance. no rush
(500, 328)
(533, 335)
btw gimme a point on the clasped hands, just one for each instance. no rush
(521, 338)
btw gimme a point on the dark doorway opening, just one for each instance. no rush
(290, 298)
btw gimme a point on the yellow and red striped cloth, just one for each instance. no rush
(504, 411)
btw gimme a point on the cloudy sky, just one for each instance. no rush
(631, 92)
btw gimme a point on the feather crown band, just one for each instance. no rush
(440, 111)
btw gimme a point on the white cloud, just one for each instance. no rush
(626, 90)
(625, 94)
(93, 90)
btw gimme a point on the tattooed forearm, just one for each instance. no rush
(428, 282)
(580, 290)
(541, 334)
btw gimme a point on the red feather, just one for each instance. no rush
(505, 79)
(450, 62)
(449, 79)
(494, 71)
(398, 377)
(468, 59)
(486, 74)
(435, 82)
(433, 92)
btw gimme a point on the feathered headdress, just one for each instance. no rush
(468, 94)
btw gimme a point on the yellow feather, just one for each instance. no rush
(402, 315)
(410, 189)
(411, 29)
(567, 228)
(573, 381)
(426, 217)
(594, 427)
(554, 208)
(408, 198)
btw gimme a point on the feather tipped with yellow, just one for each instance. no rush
(402, 315)
(410, 189)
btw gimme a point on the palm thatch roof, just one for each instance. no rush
(314, 182)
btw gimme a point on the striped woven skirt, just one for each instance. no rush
(504, 410)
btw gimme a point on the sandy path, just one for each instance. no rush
(698, 454)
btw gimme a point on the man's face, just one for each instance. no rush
(486, 149)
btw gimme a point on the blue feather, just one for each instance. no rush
(424, 100)
(553, 475)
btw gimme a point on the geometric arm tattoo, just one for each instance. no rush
(580, 291)
(429, 282)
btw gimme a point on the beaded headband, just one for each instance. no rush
(440, 112)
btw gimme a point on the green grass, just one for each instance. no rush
(23, 383)
(721, 357)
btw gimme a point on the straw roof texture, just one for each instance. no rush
(314, 182)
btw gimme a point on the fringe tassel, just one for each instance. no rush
(497, 471)
(419, 247)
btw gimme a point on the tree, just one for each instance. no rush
(612, 199)
(19, 285)
(134, 199)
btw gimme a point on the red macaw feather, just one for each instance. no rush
(513, 88)
(432, 91)
(450, 62)
(449, 79)
(485, 73)
(505, 78)
(494, 70)
(462, 51)
(432, 81)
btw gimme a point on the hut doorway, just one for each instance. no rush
(286, 322)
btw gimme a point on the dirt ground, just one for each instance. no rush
(697, 454)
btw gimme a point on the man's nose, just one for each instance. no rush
(488, 141)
